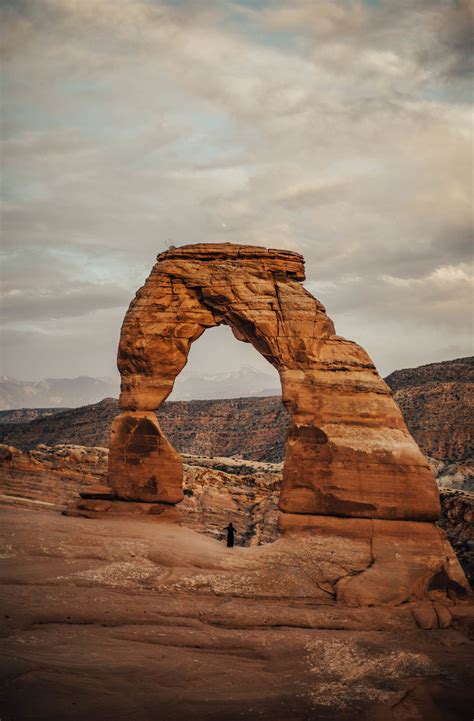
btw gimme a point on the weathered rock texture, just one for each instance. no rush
(348, 451)
(437, 401)
(457, 520)
(49, 476)
(216, 491)
(130, 620)
(144, 464)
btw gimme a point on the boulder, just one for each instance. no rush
(143, 466)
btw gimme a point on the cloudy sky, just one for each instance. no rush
(337, 128)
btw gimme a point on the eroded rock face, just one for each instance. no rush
(71, 478)
(144, 464)
(49, 477)
(356, 561)
(348, 451)
(437, 403)
(389, 561)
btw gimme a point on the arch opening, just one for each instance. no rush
(226, 419)
(219, 365)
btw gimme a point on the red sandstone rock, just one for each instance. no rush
(126, 619)
(425, 616)
(143, 466)
(49, 476)
(216, 490)
(444, 616)
(104, 493)
(397, 561)
(356, 561)
(101, 508)
(348, 451)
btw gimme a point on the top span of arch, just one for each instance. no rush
(254, 290)
(284, 261)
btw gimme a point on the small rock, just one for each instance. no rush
(425, 616)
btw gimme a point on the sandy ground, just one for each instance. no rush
(134, 619)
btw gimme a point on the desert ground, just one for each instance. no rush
(139, 619)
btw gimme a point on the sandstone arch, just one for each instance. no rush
(348, 450)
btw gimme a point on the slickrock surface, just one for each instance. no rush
(348, 451)
(216, 491)
(126, 619)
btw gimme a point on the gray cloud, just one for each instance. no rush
(456, 41)
(332, 128)
(58, 301)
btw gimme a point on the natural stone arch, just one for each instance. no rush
(348, 451)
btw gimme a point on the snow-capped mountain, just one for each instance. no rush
(244, 382)
(55, 392)
(84, 390)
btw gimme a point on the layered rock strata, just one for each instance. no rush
(219, 490)
(348, 451)
(437, 400)
(49, 476)
(216, 491)
(457, 520)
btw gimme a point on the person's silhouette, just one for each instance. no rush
(230, 535)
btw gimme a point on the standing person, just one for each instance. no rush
(230, 535)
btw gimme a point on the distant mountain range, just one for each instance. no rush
(84, 390)
(55, 392)
(245, 382)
